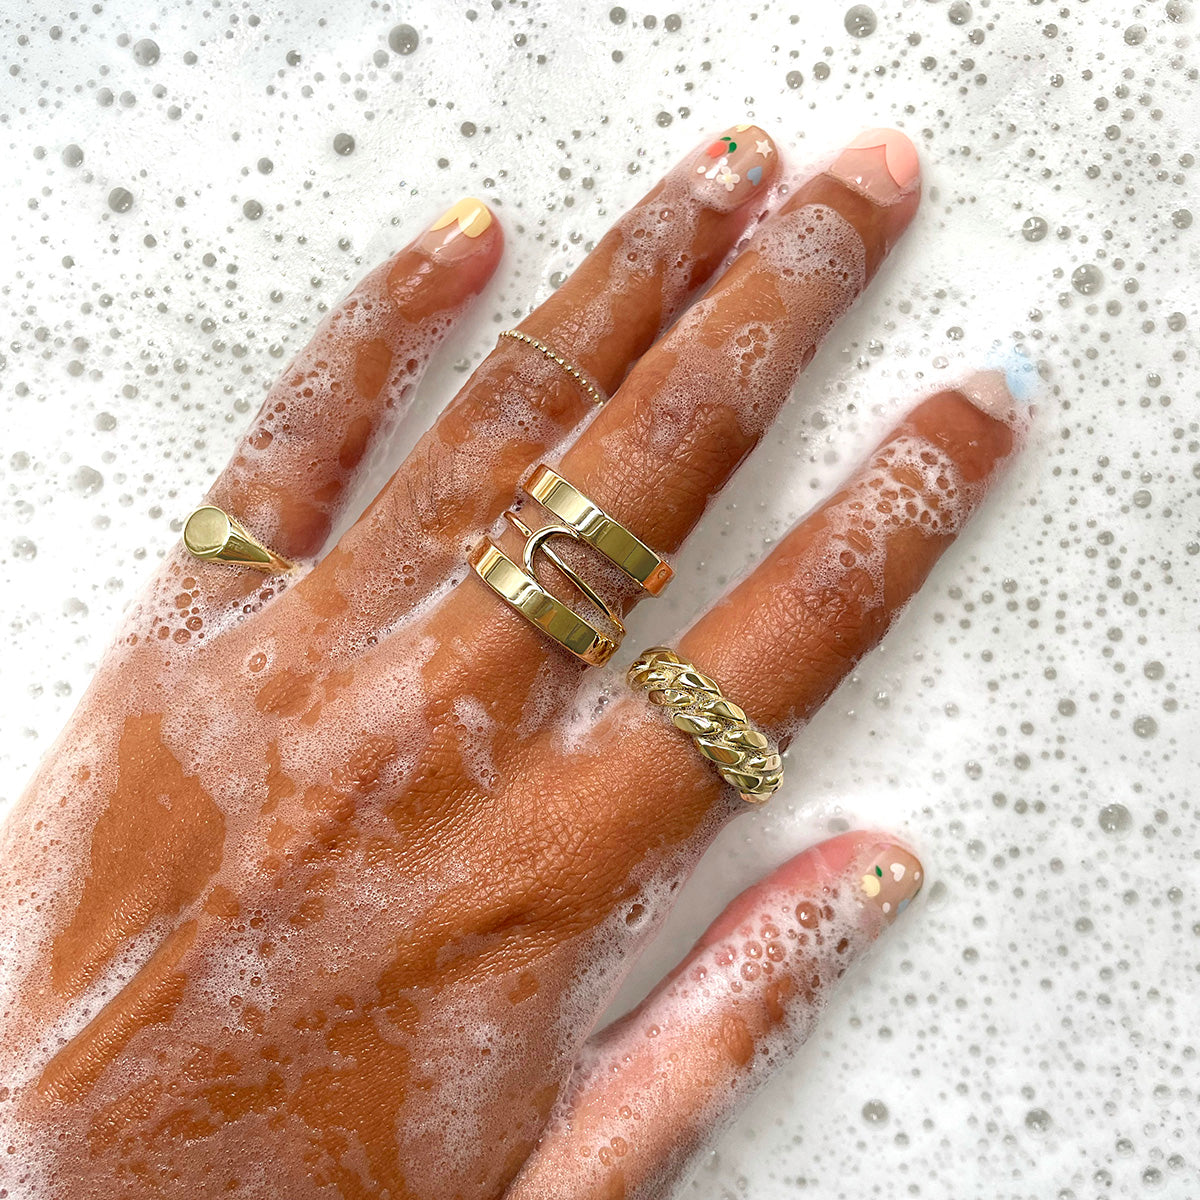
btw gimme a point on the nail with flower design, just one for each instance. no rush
(733, 167)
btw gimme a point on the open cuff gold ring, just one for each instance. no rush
(211, 534)
(743, 755)
(584, 521)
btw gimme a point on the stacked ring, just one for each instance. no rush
(721, 731)
(582, 520)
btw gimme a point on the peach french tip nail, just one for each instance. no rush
(453, 233)
(880, 163)
(734, 166)
(888, 878)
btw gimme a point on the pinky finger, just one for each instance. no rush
(655, 1088)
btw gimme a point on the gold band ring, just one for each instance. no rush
(211, 534)
(517, 587)
(582, 520)
(721, 731)
(599, 530)
(593, 392)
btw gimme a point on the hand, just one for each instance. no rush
(328, 880)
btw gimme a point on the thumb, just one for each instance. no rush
(653, 1089)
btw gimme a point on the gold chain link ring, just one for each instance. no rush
(721, 731)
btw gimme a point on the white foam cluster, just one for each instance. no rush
(809, 263)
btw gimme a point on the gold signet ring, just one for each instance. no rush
(210, 533)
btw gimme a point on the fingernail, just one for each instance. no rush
(454, 233)
(880, 163)
(1005, 390)
(989, 392)
(734, 166)
(889, 879)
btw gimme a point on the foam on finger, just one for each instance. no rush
(653, 1090)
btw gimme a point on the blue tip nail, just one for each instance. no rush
(1020, 375)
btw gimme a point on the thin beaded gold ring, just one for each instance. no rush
(594, 393)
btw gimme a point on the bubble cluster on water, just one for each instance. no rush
(184, 205)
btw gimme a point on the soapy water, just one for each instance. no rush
(190, 190)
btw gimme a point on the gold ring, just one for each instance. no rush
(721, 731)
(518, 588)
(582, 520)
(594, 393)
(211, 534)
(599, 530)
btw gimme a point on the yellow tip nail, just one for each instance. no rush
(473, 217)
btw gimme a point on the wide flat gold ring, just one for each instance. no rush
(743, 755)
(599, 530)
(211, 534)
(517, 586)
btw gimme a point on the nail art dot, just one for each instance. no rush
(870, 885)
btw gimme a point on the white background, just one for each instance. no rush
(1031, 1026)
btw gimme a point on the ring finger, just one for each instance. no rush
(784, 638)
